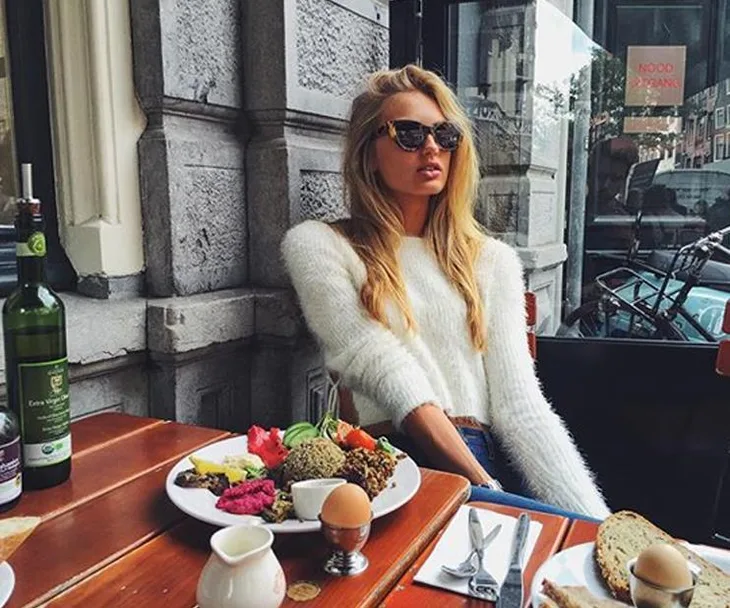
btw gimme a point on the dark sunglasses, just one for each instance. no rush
(410, 135)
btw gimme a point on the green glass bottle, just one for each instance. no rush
(36, 364)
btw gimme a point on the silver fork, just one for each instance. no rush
(467, 567)
(482, 584)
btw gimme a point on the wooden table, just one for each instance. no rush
(580, 532)
(110, 536)
(407, 593)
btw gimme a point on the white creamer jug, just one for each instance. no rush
(242, 570)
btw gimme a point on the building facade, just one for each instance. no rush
(187, 138)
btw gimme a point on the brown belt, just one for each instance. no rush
(468, 422)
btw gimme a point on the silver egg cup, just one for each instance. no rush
(648, 595)
(346, 559)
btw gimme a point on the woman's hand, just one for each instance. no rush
(434, 433)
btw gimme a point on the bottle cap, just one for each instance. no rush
(27, 199)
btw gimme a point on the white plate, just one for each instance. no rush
(200, 503)
(7, 582)
(576, 566)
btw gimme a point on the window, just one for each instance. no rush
(720, 118)
(719, 147)
(8, 179)
(25, 136)
(644, 169)
(727, 145)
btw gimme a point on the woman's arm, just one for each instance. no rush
(434, 433)
(533, 435)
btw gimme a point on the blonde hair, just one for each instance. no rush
(375, 227)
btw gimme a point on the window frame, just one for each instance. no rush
(719, 141)
(720, 112)
(26, 31)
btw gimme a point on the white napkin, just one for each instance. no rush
(454, 546)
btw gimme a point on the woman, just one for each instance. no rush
(421, 313)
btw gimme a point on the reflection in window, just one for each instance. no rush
(719, 147)
(8, 179)
(658, 177)
(720, 117)
(723, 42)
(633, 133)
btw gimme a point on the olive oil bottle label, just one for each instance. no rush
(44, 412)
(11, 481)
(35, 246)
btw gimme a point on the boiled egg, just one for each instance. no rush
(664, 566)
(347, 506)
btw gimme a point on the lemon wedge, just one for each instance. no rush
(203, 467)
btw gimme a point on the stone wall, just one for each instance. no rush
(300, 76)
(187, 69)
(245, 102)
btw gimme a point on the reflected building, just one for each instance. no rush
(579, 110)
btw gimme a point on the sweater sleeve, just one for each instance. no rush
(531, 432)
(370, 358)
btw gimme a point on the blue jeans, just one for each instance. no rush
(490, 456)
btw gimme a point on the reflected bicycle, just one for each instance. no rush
(673, 296)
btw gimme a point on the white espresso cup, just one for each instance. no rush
(309, 495)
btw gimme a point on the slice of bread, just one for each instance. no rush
(625, 534)
(546, 602)
(13, 531)
(574, 597)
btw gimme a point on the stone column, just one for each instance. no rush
(200, 315)
(303, 63)
(222, 180)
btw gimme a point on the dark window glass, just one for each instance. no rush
(25, 135)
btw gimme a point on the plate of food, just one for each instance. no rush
(247, 479)
(594, 572)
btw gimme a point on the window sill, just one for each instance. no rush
(98, 330)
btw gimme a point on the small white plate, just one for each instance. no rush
(7, 582)
(200, 503)
(576, 566)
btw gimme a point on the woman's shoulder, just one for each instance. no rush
(313, 240)
(313, 234)
(309, 230)
(498, 258)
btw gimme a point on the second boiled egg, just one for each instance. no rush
(663, 565)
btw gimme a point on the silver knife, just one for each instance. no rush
(511, 595)
(481, 584)
(475, 530)
(479, 543)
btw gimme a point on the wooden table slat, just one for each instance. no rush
(163, 572)
(167, 568)
(91, 536)
(96, 431)
(98, 471)
(408, 593)
(580, 532)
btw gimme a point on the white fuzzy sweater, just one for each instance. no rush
(399, 371)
